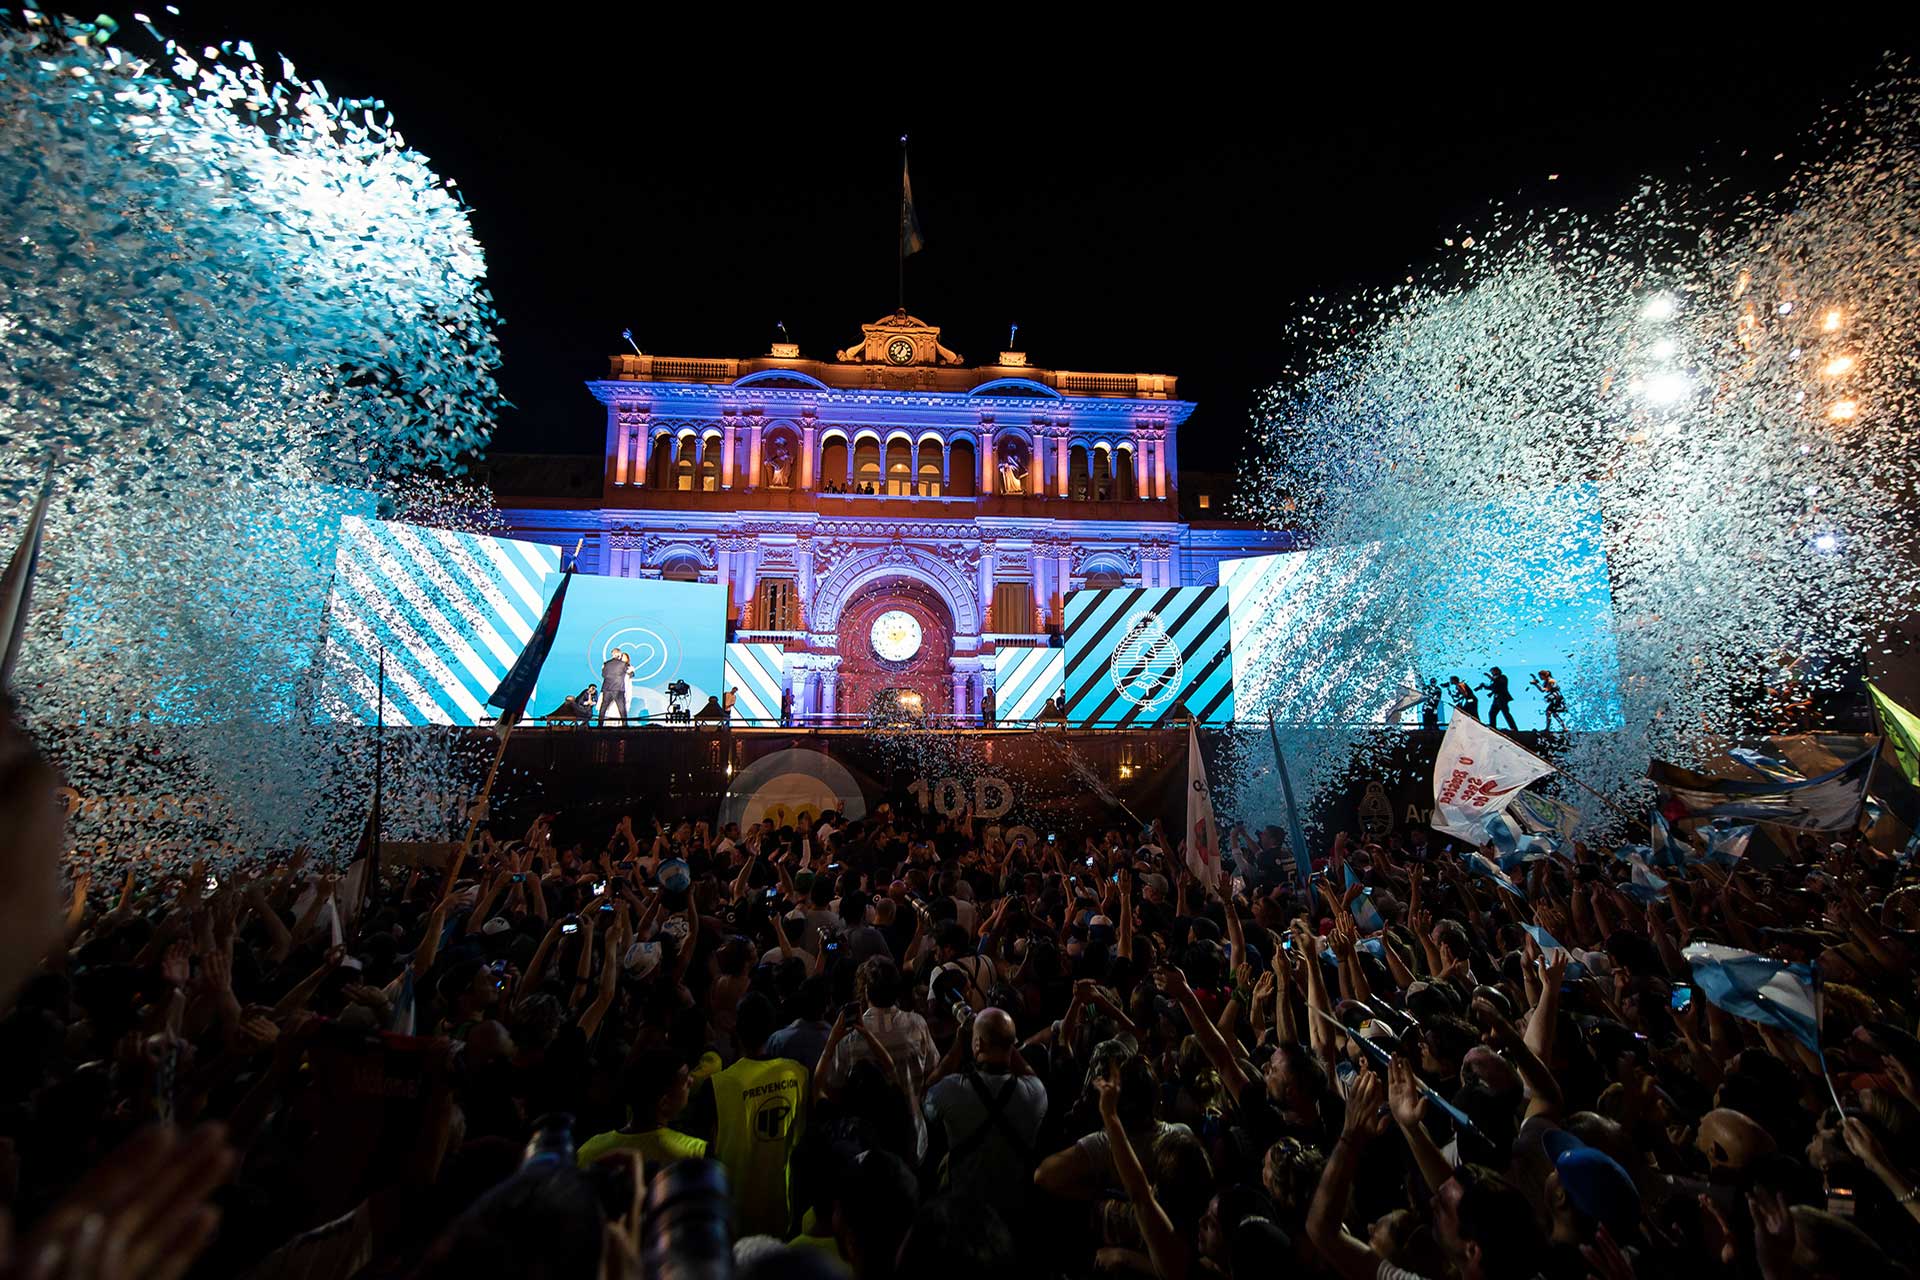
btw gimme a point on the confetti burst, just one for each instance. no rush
(1735, 385)
(234, 300)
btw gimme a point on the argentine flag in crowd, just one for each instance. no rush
(1643, 885)
(1726, 841)
(401, 1023)
(1773, 993)
(1479, 864)
(1365, 914)
(1830, 802)
(1669, 850)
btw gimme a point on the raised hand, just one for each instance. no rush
(1367, 1116)
(143, 1213)
(1409, 1105)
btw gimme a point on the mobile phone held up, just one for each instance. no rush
(1682, 998)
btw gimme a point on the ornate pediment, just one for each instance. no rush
(899, 341)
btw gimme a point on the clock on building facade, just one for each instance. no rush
(900, 351)
(895, 635)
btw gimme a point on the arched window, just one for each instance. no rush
(1077, 473)
(899, 468)
(928, 474)
(866, 466)
(680, 568)
(1123, 486)
(833, 464)
(660, 462)
(710, 463)
(964, 466)
(683, 463)
(1102, 474)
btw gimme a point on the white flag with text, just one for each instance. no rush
(1478, 772)
(1203, 834)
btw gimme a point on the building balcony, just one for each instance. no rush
(881, 506)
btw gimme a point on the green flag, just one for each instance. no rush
(1900, 731)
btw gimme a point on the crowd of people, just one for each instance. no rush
(926, 1048)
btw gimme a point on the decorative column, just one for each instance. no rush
(988, 463)
(986, 584)
(959, 696)
(753, 456)
(946, 468)
(1061, 457)
(749, 573)
(1040, 573)
(806, 455)
(803, 576)
(723, 564)
(1139, 454)
(637, 444)
(1160, 463)
(726, 455)
(830, 689)
(1063, 559)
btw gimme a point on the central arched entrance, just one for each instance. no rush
(896, 650)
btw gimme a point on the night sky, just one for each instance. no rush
(1135, 201)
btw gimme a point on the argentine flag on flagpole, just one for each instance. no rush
(1669, 850)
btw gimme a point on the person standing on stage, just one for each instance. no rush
(987, 704)
(1502, 702)
(1430, 705)
(1464, 699)
(613, 684)
(1556, 700)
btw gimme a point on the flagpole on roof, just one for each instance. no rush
(906, 211)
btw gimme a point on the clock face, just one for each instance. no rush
(896, 635)
(900, 351)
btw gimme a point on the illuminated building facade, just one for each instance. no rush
(891, 517)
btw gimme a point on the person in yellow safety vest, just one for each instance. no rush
(758, 1112)
(656, 1088)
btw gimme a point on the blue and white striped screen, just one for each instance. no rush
(756, 675)
(451, 611)
(1023, 680)
(1136, 655)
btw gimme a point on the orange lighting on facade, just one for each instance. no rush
(1838, 366)
(1843, 410)
(1832, 322)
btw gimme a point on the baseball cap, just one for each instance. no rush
(642, 958)
(675, 876)
(1594, 1181)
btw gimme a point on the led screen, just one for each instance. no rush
(1140, 655)
(671, 632)
(450, 611)
(1333, 635)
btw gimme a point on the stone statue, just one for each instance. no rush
(779, 468)
(1012, 478)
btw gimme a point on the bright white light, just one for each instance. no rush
(1832, 321)
(1661, 306)
(1838, 365)
(1665, 388)
(1785, 308)
(1827, 542)
(1842, 410)
(1663, 349)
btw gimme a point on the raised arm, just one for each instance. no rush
(1174, 984)
(1325, 1228)
(1156, 1228)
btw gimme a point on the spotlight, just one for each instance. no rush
(1661, 306)
(1827, 543)
(1838, 365)
(1843, 410)
(1665, 388)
